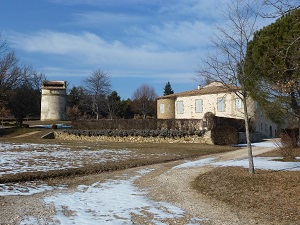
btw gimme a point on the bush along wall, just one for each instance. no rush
(224, 135)
(139, 124)
(164, 133)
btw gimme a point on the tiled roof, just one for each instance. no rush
(54, 84)
(209, 89)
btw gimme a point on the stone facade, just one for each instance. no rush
(54, 101)
(220, 100)
(166, 108)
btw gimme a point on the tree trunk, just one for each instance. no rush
(249, 147)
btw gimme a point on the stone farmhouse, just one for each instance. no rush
(214, 98)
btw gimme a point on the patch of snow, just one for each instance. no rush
(263, 163)
(112, 202)
(17, 158)
(49, 126)
(267, 144)
(27, 188)
(30, 220)
(197, 163)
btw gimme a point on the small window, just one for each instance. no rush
(238, 103)
(221, 104)
(162, 108)
(180, 107)
(198, 105)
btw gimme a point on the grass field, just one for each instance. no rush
(93, 159)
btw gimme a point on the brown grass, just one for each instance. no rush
(144, 154)
(273, 196)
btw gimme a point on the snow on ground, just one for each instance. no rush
(27, 188)
(196, 163)
(115, 201)
(263, 163)
(266, 144)
(49, 126)
(17, 158)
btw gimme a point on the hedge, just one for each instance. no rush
(224, 135)
(134, 133)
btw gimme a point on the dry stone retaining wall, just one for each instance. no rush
(136, 139)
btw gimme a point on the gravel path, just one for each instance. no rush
(163, 183)
(174, 186)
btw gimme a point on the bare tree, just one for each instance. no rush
(143, 100)
(227, 64)
(98, 86)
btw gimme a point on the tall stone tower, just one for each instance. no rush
(54, 101)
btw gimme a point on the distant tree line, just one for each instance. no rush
(94, 99)
(20, 94)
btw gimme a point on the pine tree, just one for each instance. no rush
(274, 52)
(168, 89)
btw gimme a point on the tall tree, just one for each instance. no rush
(113, 102)
(227, 64)
(22, 102)
(143, 100)
(168, 89)
(98, 86)
(275, 55)
(10, 76)
(126, 109)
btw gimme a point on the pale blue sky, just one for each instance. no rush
(134, 41)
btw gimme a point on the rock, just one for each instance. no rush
(49, 135)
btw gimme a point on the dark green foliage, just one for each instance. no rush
(113, 105)
(76, 97)
(168, 89)
(238, 124)
(165, 133)
(273, 64)
(224, 135)
(23, 101)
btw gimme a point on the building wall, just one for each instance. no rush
(53, 104)
(166, 108)
(186, 108)
(264, 125)
(209, 104)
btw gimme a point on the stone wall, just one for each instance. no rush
(190, 139)
(254, 137)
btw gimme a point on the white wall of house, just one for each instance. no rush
(223, 105)
(194, 104)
